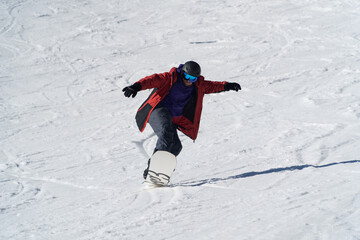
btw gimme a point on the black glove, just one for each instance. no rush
(232, 86)
(132, 90)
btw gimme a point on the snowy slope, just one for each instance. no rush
(278, 160)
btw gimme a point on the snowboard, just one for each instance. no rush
(162, 165)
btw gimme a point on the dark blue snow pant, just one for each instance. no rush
(161, 122)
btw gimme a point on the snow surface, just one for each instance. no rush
(278, 160)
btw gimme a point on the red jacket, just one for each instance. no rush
(189, 122)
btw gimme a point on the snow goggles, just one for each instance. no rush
(190, 78)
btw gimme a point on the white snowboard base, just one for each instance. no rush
(162, 165)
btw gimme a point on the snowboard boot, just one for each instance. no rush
(146, 170)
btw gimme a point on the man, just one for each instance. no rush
(175, 103)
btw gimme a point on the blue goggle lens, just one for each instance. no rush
(190, 78)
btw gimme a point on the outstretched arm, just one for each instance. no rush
(215, 87)
(152, 81)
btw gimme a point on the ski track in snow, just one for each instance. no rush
(278, 160)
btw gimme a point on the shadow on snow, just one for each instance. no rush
(253, 174)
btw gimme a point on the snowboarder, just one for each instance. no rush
(175, 103)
